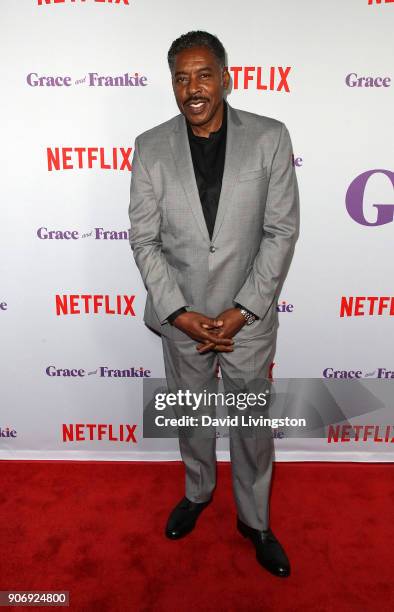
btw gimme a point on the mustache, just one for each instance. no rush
(195, 100)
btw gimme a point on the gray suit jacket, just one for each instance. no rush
(255, 230)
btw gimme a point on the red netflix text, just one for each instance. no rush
(79, 432)
(362, 306)
(273, 78)
(94, 304)
(360, 433)
(71, 158)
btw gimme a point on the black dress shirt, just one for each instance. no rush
(208, 155)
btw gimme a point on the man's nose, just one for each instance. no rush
(193, 87)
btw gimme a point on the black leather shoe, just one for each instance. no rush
(183, 518)
(269, 553)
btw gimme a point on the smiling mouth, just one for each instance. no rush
(196, 106)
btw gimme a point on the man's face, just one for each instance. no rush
(199, 84)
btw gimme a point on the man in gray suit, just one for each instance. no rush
(214, 211)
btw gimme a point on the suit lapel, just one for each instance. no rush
(181, 151)
(234, 151)
(235, 142)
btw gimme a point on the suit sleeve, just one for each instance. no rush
(280, 233)
(145, 242)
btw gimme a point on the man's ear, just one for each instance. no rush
(225, 78)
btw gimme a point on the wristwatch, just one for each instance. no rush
(249, 316)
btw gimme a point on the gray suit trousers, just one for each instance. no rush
(246, 369)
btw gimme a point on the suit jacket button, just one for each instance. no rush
(212, 249)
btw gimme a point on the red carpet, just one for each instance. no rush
(96, 530)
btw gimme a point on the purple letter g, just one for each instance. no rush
(355, 197)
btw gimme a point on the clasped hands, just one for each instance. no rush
(211, 334)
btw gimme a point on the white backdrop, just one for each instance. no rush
(338, 131)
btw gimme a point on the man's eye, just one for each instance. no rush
(180, 79)
(205, 75)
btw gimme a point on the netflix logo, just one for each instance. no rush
(94, 304)
(78, 158)
(81, 432)
(362, 306)
(272, 78)
(360, 433)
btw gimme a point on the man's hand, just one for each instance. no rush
(233, 321)
(203, 329)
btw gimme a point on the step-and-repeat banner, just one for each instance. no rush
(80, 80)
